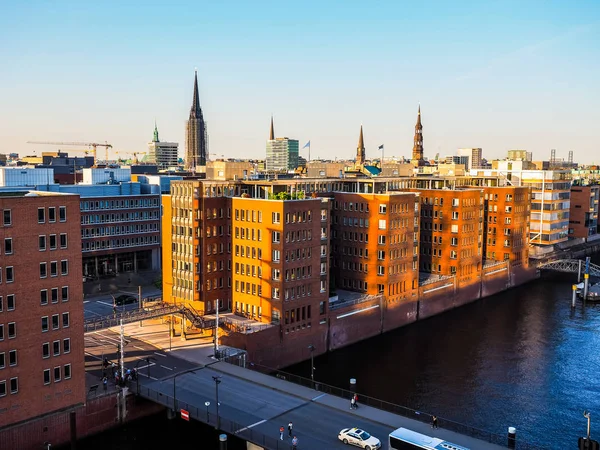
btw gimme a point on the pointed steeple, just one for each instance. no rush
(196, 111)
(360, 149)
(272, 133)
(155, 138)
(417, 153)
(196, 149)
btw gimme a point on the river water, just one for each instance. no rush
(522, 358)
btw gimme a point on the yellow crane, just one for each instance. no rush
(135, 159)
(93, 145)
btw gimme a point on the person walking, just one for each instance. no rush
(281, 429)
(352, 403)
(105, 383)
(290, 427)
(434, 422)
(294, 443)
(355, 401)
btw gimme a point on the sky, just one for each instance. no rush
(493, 74)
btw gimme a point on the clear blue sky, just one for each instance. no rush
(492, 74)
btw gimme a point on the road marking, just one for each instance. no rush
(86, 301)
(93, 356)
(250, 426)
(145, 367)
(105, 303)
(139, 348)
(160, 354)
(146, 375)
(165, 367)
(317, 397)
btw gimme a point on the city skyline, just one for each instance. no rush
(499, 77)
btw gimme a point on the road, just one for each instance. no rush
(102, 305)
(103, 343)
(265, 410)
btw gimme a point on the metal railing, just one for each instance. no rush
(467, 430)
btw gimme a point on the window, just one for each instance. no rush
(46, 350)
(276, 217)
(46, 376)
(382, 209)
(1, 332)
(64, 293)
(43, 270)
(380, 270)
(7, 222)
(41, 215)
(8, 248)
(67, 371)
(381, 255)
(56, 348)
(454, 228)
(57, 374)
(64, 267)
(2, 360)
(55, 322)
(62, 213)
(51, 214)
(276, 255)
(52, 242)
(65, 319)
(14, 385)
(381, 240)
(12, 357)
(276, 237)
(275, 292)
(44, 323)
(44, 297)
(12, 330)
(10, 274)
(42, 243)
(454, 215)
(10, 302)
(67, 345)
(454, 202)
(382, 224)
(2, 386)
(54, 295)
(63, 240)
(53, 268)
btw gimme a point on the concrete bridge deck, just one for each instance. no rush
(254, 405)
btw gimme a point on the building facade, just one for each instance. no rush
(163, 154)
(474, 155)
(41, 310)
(282, 155)
(583, 215)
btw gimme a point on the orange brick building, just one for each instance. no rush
(375, 246)
(41, 309)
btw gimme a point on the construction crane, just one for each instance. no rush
(135, 159)
(88, 144)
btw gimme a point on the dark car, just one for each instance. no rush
(125, 300)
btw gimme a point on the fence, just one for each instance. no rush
(494, 438)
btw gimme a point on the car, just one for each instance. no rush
(125, 300)
(360, 438)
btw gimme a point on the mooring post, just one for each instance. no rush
(574, 296)
(579, 272)
(586, 280)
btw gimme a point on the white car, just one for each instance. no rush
(360, 438)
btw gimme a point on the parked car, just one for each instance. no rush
(360, 438)
(125, 300)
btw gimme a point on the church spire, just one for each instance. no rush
(155, 138)
(360, 149)
(417, 153)
(272, 133)
(196, 111)
(196, 149)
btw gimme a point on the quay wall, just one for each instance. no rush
(96, 415)
(351, 324)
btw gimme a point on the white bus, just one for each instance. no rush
(403, 439)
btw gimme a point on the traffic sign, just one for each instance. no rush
(185, 415)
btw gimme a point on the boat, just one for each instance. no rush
(593, 294)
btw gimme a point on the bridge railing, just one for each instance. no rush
(209, 417)
(494, 438)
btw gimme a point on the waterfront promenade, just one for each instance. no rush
(258, 404)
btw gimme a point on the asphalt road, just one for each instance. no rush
(265, 410)
(103, 343)
(102, 305)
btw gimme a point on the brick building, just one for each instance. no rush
(583, 213)
(41, 310)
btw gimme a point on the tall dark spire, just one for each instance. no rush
(417, 153)
(360, 149)
(155, 137)
(197, 138)
(272, 133)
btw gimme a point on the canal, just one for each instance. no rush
(523, 358)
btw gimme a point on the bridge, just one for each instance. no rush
(570, 266)
(253, 405)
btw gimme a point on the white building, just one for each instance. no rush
(163, 154)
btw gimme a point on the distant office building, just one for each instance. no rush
(282, 153)
(474, 157)
(196, 148)
(519, 155)
(163, 154)
(41, 310)
(458, 159)
(583, 215)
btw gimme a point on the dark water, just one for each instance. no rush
(522, 358)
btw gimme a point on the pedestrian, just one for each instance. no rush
(355, 401)
(281, 429)
(352, 403)
(434, 422)
(294, 443)
(105, 383)
(290, 427)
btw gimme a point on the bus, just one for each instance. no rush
(403, 439)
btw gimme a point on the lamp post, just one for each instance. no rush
(312, 363)
(217, 382)
(175, 385)
(207, 404)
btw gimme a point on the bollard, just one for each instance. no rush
(512, 437)
(353, 385)
(574, 296)
(222, 442)
(586, 280)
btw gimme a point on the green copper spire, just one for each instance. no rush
(155, 138)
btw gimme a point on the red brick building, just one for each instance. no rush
(41, 310)
(583, 213)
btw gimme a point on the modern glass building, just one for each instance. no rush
(282, 154)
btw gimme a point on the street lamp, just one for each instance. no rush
(175, 385)
(312, 363)
(207, 404)
(217, 382)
